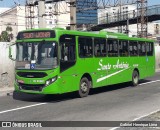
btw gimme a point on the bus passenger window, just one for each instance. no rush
(99, 47)
(133, 49)
(149, 48)
(142, 48)
(123, 48)
(85, 47)
(112, 48)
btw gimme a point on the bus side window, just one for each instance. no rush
(123, 48)
(99, 47)
(142, 48)
(85, 47)
(112, 48)
(149, 48)
(133, 48)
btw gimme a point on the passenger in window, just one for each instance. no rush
(65, 57)
(98, 53)
(103, 52)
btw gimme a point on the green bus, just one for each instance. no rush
(56, 61)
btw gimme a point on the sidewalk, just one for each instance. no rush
(157, 70)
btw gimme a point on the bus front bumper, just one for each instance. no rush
(50, 89)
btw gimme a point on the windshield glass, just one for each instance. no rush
(36, 55)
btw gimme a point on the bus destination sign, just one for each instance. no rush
(36, 34)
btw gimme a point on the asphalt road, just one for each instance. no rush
(113, 103)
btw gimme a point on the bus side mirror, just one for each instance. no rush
(12, 52)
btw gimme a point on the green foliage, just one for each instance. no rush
(9, 29)
(6, 36)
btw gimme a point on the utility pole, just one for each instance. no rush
(41, 12)
(73, 14)
(142, 18)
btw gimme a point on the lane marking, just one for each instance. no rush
(138, 118)
(149, 82)
(19, 108)
(114, 128)
(146, 115)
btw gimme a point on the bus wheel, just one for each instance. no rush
(84, 87)
(135, 78)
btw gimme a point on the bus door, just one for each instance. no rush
(68, 70)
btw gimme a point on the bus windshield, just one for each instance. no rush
(42, 54)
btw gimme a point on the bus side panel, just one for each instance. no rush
(100, 71)
(151, 66)
(120, 71)
(142, 66)
(69, 80)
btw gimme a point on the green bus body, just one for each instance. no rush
(101, 70)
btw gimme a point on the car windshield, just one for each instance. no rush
(36, 55)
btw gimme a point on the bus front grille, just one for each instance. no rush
(32, 74)
(33, 87)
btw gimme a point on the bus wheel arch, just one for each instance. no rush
(88, 76)
(135, 77)
(85, 85)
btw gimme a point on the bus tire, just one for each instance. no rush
(135, 78)
(84, 87)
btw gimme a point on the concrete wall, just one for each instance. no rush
(6, 66)
(157, 53)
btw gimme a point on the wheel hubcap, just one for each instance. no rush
(84, 87)
(135, 78)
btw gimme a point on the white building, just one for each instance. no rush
(19, 19)
(3, 10)
(60, 18)
(15, 18)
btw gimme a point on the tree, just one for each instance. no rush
(6, 36)
(9, 29)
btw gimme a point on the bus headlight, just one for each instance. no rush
(49, 81)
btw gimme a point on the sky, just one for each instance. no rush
(10, 3)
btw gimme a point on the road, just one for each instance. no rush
(113, 103)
